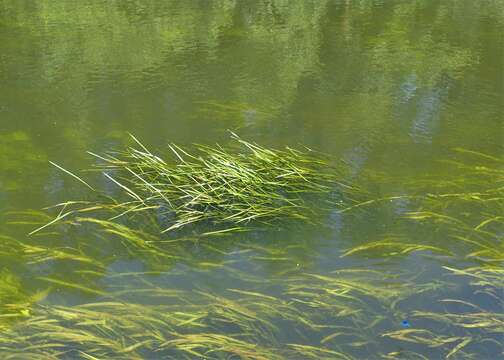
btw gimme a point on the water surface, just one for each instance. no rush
(390, 88)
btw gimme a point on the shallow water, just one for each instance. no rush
(392, 88)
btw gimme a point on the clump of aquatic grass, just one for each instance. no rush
(331, 316)
(486, 277)
(218, 186)
(344, 314)
(461, 215)
(393, 246)
(430, 339)
(476, 178)
(214, 185)
(15, 302)
(184, 328)
(188, 325)
(474, 324)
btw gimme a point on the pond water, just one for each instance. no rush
(406, 96)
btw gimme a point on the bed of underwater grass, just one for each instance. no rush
(211, 185)
(202, 226)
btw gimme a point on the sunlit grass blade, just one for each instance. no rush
(72, 175)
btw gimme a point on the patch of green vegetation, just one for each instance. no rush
(344, 314)
(15, 302)
(347, 313)
(466, 224)
(215, 186)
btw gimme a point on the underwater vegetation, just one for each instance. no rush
(163, 219)
(213, 185)
(343, 314)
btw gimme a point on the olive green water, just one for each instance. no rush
(390, 88)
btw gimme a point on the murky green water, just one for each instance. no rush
(391, 89)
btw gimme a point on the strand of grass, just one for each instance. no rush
(224, 231)
(54, 221)
(128, 190)
(72, 286)
(61, 215)
(150, 186)
(396, 246)
(488, 221)
(422, 336)
(39, 254)
(480, 154)
(374, 201)
(72, 175)
(138, 208)
(491, 275)
(137, 238)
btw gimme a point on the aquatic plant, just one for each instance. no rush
(344, 314)
(297, 312)
(213, 185)
(465, 209)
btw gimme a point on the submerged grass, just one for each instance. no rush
(465, 224)
(213, 185)
(344, 314)
(295, 313)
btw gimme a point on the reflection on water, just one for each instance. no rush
(426, 122)
(389, 88)
(428, 114)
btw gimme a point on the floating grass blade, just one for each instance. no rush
(72, 175)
